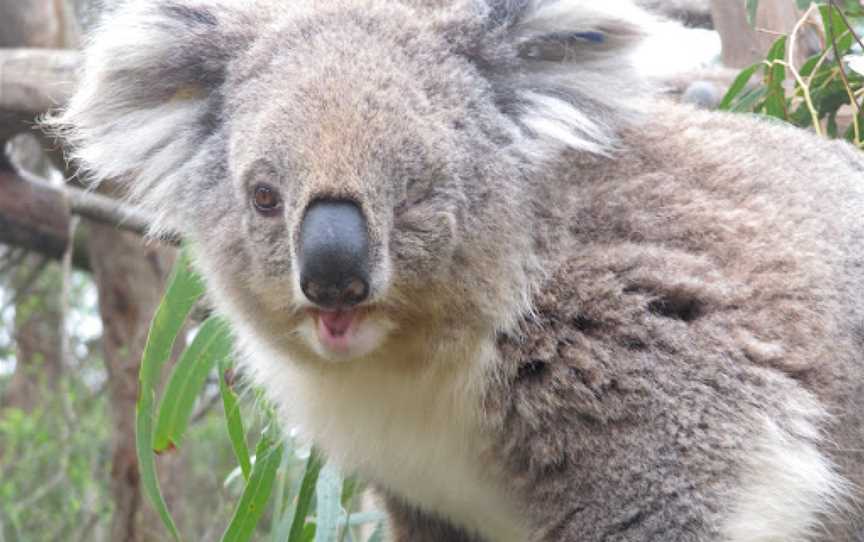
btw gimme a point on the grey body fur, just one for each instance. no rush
(594, 316)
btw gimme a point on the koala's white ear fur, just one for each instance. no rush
(150, 94)
(563, 67)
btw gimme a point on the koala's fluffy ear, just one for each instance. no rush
(562, 68)
(150, 93)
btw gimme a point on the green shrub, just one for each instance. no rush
(826, 86)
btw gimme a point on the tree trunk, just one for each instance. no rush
(130, 277)
(745, 44)
(33, 23)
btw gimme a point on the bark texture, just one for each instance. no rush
(130, 277)
(744, 43)
(34, 23)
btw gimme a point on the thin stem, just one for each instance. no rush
(856, 113)
(805, 89)
(814, 114)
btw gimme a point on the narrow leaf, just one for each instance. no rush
(832, 22)
(328, 507)
(234, 422)
(211, 344)
(737, 87)
(184, 289)
(253, 502)
(308, 533)
(749, 100)
(775, 102)
(304, 499)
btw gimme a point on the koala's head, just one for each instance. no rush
(352, 174)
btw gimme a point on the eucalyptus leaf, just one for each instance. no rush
(253, 502)
(234, 422)
(184, 290)
(304, 499)
(328, 507)
(211, 344)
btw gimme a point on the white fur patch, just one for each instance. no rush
(789, 486)
(556, 120)
(371, 332)
(409, 425)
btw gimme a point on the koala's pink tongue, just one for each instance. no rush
(336, 323)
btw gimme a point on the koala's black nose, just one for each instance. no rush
(333, 254)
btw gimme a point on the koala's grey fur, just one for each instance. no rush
(599, 316)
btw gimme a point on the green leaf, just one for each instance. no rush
(809, 65)
(304, 499)
(308, 532)
(328, 508)
(184, 289)
(212, 344)
(287, 487)
(234, 422)
(853, 8)
(832, 125)
(737, 87)
(775, 101)
(832, 22)
(778, 49)
(831, 97)
(253, 502)
(752, 6)
(748, 100)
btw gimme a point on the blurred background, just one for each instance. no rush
(79, 285)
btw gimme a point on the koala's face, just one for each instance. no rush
(352, 166)
(352, 174)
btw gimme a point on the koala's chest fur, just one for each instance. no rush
(416, 434)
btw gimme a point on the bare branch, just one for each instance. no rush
(36, 80)
(99, 208)
(35, 214)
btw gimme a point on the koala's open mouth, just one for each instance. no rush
(337, 329)
(346, 333)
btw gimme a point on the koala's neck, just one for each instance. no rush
(415, 429)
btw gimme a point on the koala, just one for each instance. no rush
(480, 264)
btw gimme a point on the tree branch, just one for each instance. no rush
(35, 215)
(36, 80)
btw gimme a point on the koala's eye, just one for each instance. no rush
(266, 200)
